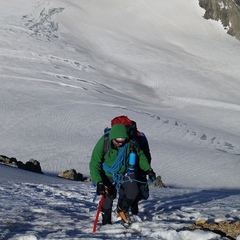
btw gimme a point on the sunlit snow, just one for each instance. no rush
(68, 67)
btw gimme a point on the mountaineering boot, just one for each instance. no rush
(126, 220)
(122, 210)
(106, 216)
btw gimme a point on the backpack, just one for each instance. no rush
(130, 125)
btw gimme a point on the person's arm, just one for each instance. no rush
(143, 161)
(96, 161)
(145, 166)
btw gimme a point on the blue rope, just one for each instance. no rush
(135, 180)
(119, 161)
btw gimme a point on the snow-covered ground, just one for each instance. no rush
(68, 67)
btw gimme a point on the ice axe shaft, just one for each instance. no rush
(99, 210)
(97, 214)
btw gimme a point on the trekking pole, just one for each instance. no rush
(98, 211)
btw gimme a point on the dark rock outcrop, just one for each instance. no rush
(32, 165)
(226, 11)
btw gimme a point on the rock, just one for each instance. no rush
(72, 175)
(227, 11)
(8, 161)
(224, 228)
(21, 165)
(158, 183)
(200, 222)
(33, 166)
(89, 179)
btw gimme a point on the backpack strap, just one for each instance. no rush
(106, 144)
(106, 140)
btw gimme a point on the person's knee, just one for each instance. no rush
(131, 190)
(132, 193)
(107, 203)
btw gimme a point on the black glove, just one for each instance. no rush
(151, 175)
(100, 188)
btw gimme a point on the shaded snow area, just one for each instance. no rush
(68, 67)
(65, 210)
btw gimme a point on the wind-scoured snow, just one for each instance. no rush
(69, 67)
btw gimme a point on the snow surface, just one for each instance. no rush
(68, 67)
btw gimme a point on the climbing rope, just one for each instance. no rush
(118, 163)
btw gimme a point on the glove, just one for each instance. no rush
(151, 175)
(100, 188)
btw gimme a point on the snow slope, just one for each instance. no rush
(68, 67)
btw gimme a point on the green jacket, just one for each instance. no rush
(98, 157)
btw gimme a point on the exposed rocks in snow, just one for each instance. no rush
(224, 228)
(227, 11)
(72, 175)
(32, 165)
(158, 183)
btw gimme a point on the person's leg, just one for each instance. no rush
(107, 210)
(134, 207)
(127, 194)
(107, 205)
(143, 193)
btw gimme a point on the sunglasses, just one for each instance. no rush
(119, 140)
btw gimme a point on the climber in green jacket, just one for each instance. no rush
(111, 170)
